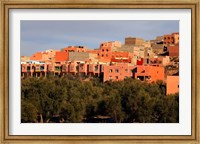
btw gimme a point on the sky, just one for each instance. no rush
(41, 35)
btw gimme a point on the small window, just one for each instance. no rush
(110, 77)
(116, 77)
(102, 55)
(126, 70)
(116, 70)
(110, 70)
(106, 55)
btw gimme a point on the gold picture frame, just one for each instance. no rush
(114, 4)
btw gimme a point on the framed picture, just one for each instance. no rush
(99, 72)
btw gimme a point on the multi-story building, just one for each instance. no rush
(75, 49)
(173, 50)
(134, 41)
(106, 50)
(118, 71)
(150, 73)
(82, 56)
(171, 38)
(44, 56)
(33, 68)
(120, 57)
(172, 85)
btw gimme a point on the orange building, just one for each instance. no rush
(173, 50)
(36, 56)
(61, 57)
(159, 61)
(44, 56)
(33, 68)
(176, 37)
(118, 71)
(124, 57)
(83, 68)
(94, 69)
(172, 85)
(150, 73)
(49, 55)
(171, 38)
(75, 49)
(106, 49)
(96, 52)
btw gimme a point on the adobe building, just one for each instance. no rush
(146, 44)
(33, 68)
(150, 73)
(61, 57)
(82, 56)
(171, 38)
(120, 57)
(176, 37)
(134, 41)
(118, 71)
(106, 50)
(126, 48)
(173, 50)
(75, 49)
(158, 48)
(36, 56)
(172, 85)
(49, 55)
(44, 56)
(157, 41)
(159, 61)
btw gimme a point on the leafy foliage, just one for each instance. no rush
(75, 100)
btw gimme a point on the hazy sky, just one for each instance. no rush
(42, 35)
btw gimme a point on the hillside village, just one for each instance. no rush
(146, 60)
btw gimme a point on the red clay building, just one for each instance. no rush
(44, 56)
(173, 50)
(36, 56)
(61, 56)
(171, 38)
(33, 68)
(106, 50)
(75, 49)
(150, 73)
(172, 85)
(124, 57)
(118, 71)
